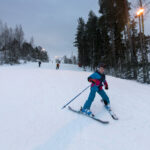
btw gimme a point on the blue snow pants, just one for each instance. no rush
(92, 94)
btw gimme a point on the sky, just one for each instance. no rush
(52, 23)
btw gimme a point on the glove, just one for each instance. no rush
(92, 80)
(106, 87)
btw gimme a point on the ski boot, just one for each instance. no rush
(106, 105)
(87, 112)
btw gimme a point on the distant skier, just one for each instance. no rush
(39, 63)
(57, 66)
(97, 79)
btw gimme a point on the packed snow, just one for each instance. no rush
(31, 117)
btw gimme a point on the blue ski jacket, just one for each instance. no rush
(99, 80)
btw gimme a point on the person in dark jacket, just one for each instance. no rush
(39, 63)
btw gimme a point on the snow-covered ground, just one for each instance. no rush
(31, 118)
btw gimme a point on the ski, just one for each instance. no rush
(112, 114)
(92, 117)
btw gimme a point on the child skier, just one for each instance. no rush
(97, 79)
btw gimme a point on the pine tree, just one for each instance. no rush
(80, 42)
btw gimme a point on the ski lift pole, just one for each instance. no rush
(75, 97)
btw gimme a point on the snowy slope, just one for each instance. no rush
(31, 117)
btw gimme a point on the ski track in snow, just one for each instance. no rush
(32, 119)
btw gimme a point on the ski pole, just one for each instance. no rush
(75, 97)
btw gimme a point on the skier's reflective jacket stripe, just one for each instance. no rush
(100, 80)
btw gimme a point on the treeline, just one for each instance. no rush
(67, 60)
(71, 60)
(114, 40)
(13, 46)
